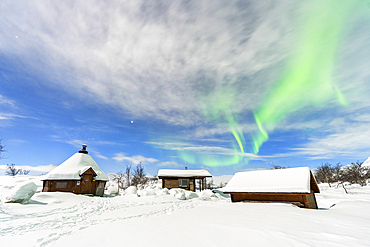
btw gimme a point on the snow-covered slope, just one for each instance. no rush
(65, 219)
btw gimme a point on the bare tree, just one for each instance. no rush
(273, 167)
(356, 173)
(1, 149)
(11, 170)
(209, 184)
(120, 179)
(324, 173)
(139, 178)
(128, 175)
(26, 172)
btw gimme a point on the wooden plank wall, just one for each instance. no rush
(308, 200)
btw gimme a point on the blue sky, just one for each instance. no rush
(184, 83)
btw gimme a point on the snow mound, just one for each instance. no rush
(178, 193)
(161, 191)
(191, 195)
(112, 190)
(220, 194)
(21, 193)
(132, 190)
(146, 192)
(206, 194)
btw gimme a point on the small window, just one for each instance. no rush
(78, 182)
(86, 179)
(62, 185)
(183, 183)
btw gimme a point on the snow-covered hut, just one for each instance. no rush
(184, 179)
(79, 174)
(295, 185)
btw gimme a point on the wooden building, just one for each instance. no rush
(294, 185)
(79, 174)
(183, 179)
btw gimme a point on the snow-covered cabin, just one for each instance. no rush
(79, 174)
(184, 179)
(295, 185)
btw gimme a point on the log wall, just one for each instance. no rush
(308, 200)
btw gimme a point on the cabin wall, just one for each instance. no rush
(308, 200)
(72, 186)
(59, 185)
(171, 183)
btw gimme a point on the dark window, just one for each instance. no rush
(183, 183)
(62, 185)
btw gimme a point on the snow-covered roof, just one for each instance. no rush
(366, 163)
(183, 173)
(76, 165)
(290, 180)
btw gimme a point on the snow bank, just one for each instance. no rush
(206, 194)
(22, 193)
(146, 192)
(132, 190)
(161, 191)
(112, 190)
(178, 193)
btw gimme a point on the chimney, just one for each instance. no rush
(83, 150)
(186, 167)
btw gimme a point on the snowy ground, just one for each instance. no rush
(64, 219)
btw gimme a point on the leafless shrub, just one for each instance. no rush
(119, 178)
(273, 167)
(139, 178)
(11, 170)
(128, 175)
(324, 173)
(356, 173)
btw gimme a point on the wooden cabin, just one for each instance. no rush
(294, 185)
(183, 179)
(79, 174)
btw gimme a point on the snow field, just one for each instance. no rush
(157, 218)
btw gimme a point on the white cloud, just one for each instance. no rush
(134, 159)
(5, 101)
(201, 149)
(41, 168)
(178, 61)
(170, 164)
(174, 54)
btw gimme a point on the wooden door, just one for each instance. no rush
(87, 184)
(100, 189)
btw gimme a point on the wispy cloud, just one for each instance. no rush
(134, 159)
(176, 52)
(5, 101)
(170, 164)
(173, 61)
(202, 149)
(41, 168)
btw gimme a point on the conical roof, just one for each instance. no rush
(366, 163)
(74, 167)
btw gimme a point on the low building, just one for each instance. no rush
(79, 174)
(184, 179)
(294, 185)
